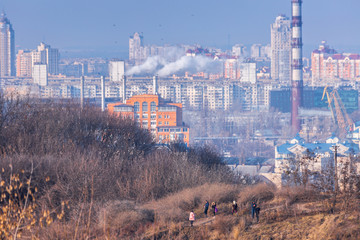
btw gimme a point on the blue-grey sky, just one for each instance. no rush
(105, 25)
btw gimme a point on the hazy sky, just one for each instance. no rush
(107, 24)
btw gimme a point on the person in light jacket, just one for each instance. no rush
(192, 217)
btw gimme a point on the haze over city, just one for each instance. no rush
(103, 27)
(162, 119)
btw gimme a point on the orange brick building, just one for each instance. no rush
(162, 118)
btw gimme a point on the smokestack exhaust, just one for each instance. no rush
(102, 93)
(124, 88)
(296, 65)
(155, 85)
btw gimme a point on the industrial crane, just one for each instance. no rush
(338, 111)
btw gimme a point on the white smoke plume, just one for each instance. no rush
(175, 62)
(190, 64)
(150, 66)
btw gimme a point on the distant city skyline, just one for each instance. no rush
(93, 27)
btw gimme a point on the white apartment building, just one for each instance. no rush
(40, 74)
(116, 70)
(281, 49)
(47, 55)
(248, 73)
(7, 48)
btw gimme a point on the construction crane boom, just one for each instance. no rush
(339, 114)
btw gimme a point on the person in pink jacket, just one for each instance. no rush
(192, 217)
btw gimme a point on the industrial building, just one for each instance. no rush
(313, 99)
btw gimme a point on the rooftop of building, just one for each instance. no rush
(4, 19)
(316, 147)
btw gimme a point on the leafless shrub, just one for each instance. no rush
(292, 195)
(224, 224)
(259, 193)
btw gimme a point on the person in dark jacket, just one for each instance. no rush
(257, 213)
(206, 208)
(253, 209)
(234, 207)
(214, 208)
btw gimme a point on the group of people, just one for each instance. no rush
(255, 210)
(213, 208)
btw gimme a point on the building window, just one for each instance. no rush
(153, 106)
(160, 123)
(160, 116)
(144, 106)
(145, 116)
(153, 116)
(136, 106)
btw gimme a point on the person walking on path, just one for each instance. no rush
(234, 207)
(257, 213)
(214, 208)
(253, 209)
(206, 208)
(192, 217)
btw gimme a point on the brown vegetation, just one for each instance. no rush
(95, 176)
(92, 160)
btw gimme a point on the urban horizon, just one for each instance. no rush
(114, 33)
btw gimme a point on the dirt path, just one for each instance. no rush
(204, 221)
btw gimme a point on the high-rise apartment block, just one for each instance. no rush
(232, 69)
(255, 51)
(40, 74)
(136, 48)
(47, 55)
(162, 118)
(248, 72)
(327, 65)
(7, 48)
(281, 49)
(24, 63)
(239, 51)
(116, 70)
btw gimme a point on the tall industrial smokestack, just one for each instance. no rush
(297, 65)
(155, 85)
(82, 83)
(124, 88)
(102, 93)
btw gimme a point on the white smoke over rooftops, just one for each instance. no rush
(176, 62)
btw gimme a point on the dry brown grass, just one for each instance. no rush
(293, 195)
(224, 224)
(126, 217)
(260, 193)
(178, 206)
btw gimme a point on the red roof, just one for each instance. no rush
(354, 56)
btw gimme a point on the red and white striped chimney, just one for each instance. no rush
(296, 65)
